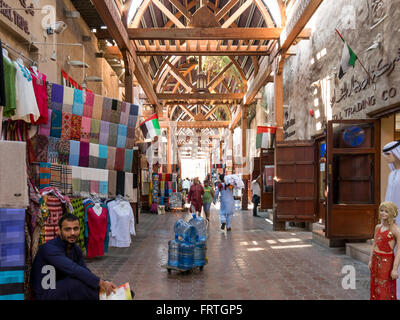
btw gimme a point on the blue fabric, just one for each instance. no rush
(122, 132)
(128, 160)
(18, 296)
(16, 276)
(12, 237)
(74, 151)
(227, 204)
(71, 265)
(134, 110)
(77, 107)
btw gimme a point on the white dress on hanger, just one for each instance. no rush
(25, 95)
(122, 223)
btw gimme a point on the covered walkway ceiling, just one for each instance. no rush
(236, 45)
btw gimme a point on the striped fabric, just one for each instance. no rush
(66, 179)
(12, 238)
(45, 174)
(55, 180)
(150, 127)
(12, 284)
(51, 224)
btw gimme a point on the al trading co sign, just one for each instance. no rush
(15, 17)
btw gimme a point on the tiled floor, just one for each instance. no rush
(250, 262)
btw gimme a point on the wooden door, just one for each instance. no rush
(295, 185)
(321, 180)
(266, 182)
(353, 178)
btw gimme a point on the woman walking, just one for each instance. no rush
(207, 198)
(195, 197)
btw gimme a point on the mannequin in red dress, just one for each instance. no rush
(97, 222)
(383, 263)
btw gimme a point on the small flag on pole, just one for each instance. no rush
(348, 58)
(265, 137)
(150, 127)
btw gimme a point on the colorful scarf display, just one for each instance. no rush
(112, 183)
(107, 105)
(85, 182)
(93, 155)
(103, 182)
(104, 132)
(116, 108)
(111, 154)
(97, 107)
(77, 107)
(56, 124)
(45, 174)
(94, 180)
(88, 105)
(44, 129)
(130, 138)
(128, 186)
(40, 145)
(74, 150)
(63, 151)
(121, 139)
(113, 135)
(52, 150)
(95, 131)
(120, 183)
(128, 160)
(124, 118)
(66, 179)
(119, 159)
(103, 152)
(84, 154)
(76, 179)
(76, 127)
(79, 211)
(85, 129)
(55, 172)
(57, 94)
(68, 99)
(66, 125)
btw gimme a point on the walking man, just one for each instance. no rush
(227, 204)
(256, 192)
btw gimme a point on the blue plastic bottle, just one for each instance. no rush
(173, 253)
(201, 227)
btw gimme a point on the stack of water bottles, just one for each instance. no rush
(188, 249)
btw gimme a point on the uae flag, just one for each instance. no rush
(265, 137)
(150, 127)
(348, 58)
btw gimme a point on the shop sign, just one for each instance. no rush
(356, 86)
(286, 126)
(15, 17)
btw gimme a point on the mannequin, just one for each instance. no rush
(5, 55)
(391, 153)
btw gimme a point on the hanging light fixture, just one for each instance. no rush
(201, 82)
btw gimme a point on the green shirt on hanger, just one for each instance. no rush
(9, 80)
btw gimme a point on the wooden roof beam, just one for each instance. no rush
(202, 124)
(200, 96)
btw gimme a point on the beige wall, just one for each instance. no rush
(76, 28)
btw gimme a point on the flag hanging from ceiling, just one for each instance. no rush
(348, 58)
(265, 137)
(150, 127)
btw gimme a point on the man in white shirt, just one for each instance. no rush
(256, 194)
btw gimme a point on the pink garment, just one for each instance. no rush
(97, 232)
(88, 105)
(85, 129)
(39, 87)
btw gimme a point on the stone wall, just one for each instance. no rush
(310, 77)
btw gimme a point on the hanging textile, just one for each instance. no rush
(112, 183)
(128, 160)
(76, 180)
(55, 173)
(40, 146)
(74, 152)
(56, 211)
(97, 228)
(122, 223)
(63, 151)
(10, 89)
(104, 132)
(102, 161)
(52, 150)
(88, 105)
(76, 127)
(94, 131)
(103, 182)
(84, 154)
(56, 124)
(128, 186)
(66, 125)
(120, 159)
(44, 129)
(120, 183)
(68, 99)
(45, 174)
(122, 132)
(106, 113)
(79, 211)
(97, 107)
(130, 138)
(113, 134)
(111, 158)
(77, 107)
(124, 118)
(57, 93)
(40, 90)
(93, 155)
(86, 125)
(66, 179)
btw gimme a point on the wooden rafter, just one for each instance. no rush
(214, 82)
(200, 96)
(181, 78)
(237, 13)
(202, 124)
(168, 13)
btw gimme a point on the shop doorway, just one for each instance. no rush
(353, 159)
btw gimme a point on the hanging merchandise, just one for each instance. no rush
(122, 223)
(97, 228)
(40, 90)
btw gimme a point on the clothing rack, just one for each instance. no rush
(7, 46)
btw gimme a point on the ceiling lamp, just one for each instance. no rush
(94, 79)
(201, 82)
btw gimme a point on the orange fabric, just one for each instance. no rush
(382, 287)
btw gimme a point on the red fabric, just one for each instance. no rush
(382, 240)
(39, 87)
(97, 232)
(119, 159)
(196, 192)
(382, 287)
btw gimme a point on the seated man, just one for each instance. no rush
(73, 280)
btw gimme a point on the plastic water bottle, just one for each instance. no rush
(173, 253)
(200, 253)
(201, 227)
(186, 255)
(185, 231)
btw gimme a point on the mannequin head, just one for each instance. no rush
(388, 211)
(391, 153)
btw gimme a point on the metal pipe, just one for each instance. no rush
(3, 44)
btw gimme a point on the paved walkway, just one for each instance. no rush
(250, 262)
